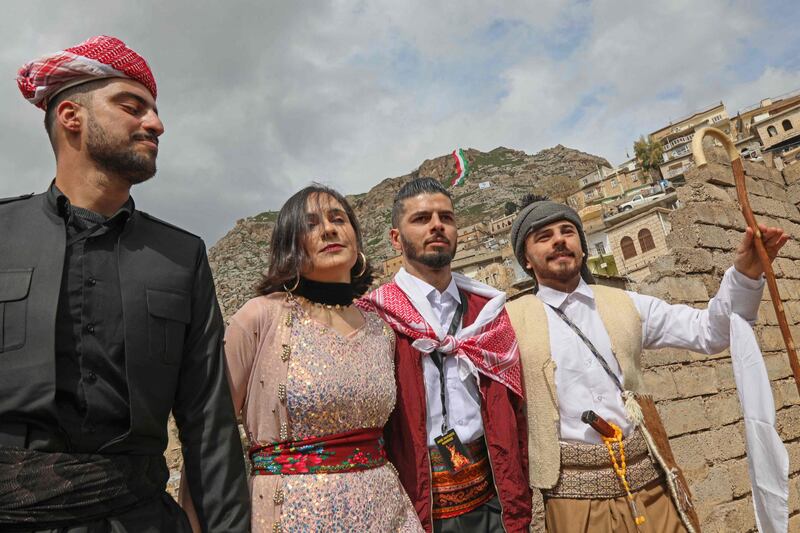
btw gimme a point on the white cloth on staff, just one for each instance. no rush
(767, 459)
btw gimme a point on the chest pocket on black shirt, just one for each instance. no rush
(14, 287)
(170, 312)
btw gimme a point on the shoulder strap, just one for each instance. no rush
(590, 345)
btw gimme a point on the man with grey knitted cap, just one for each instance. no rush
(540, 212)
(580, 347)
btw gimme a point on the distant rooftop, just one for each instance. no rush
(772, 101)
(700, 111)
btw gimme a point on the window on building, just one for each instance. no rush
(628, 248)
(771, 131)
(787, 125)
(646, 240)
(614, 182)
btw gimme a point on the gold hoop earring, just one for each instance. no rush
(296, 283)
(364, 268)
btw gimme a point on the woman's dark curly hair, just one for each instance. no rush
(288, 255)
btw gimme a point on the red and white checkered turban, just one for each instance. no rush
(99, 57)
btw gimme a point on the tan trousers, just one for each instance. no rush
(613, 515)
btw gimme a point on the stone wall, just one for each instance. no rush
(696, 393)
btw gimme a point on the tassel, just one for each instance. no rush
(633, 411)
(680, 493)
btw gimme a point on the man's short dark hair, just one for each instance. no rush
(81, 94)
(413, 188)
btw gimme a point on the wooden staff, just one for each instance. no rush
(744, 203)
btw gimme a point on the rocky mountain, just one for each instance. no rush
(239, 257)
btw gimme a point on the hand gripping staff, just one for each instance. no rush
(744, 203)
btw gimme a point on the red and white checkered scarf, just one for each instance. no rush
(489, 343)
(97, 58)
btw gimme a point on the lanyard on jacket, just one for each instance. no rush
(591, 346)
(438, 358)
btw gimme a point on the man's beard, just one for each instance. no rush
(119, 158)
(434, 260)
(563, 272)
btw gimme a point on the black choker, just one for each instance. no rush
(325, 293)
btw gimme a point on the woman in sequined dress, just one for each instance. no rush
(313, 377)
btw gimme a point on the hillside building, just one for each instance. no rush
(615, 184)
(472, 236)
(638, 241)
(676, 139)
(391, 266)
(501, 226)
(772, 125)
(780, 131)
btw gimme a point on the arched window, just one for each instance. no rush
(646, 240)
(787, 125)
(628, 248)
(771, 131)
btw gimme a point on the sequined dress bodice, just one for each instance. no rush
(339, 383)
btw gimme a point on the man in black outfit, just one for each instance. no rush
(108, 321)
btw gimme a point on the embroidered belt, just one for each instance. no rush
(356, 450)
(586, 471)
(456, 493)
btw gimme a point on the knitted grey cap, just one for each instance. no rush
(539, 214)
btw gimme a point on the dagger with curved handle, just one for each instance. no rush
(761, 251)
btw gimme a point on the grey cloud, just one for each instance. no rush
(259, 98)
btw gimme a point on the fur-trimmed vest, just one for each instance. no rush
(529, 319)
(624, 327)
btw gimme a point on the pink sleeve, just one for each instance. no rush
(241, 343)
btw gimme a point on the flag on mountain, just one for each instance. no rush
(462, 167)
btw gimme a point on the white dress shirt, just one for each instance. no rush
(462, 395)
(582, 383)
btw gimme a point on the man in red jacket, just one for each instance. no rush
(458, 434)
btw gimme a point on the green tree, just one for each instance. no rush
(510, 208)
(650, 155)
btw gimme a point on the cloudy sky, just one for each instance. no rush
(261, 97)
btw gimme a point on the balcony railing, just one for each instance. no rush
(676, 142)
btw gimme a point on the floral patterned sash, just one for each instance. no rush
(360, 449)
